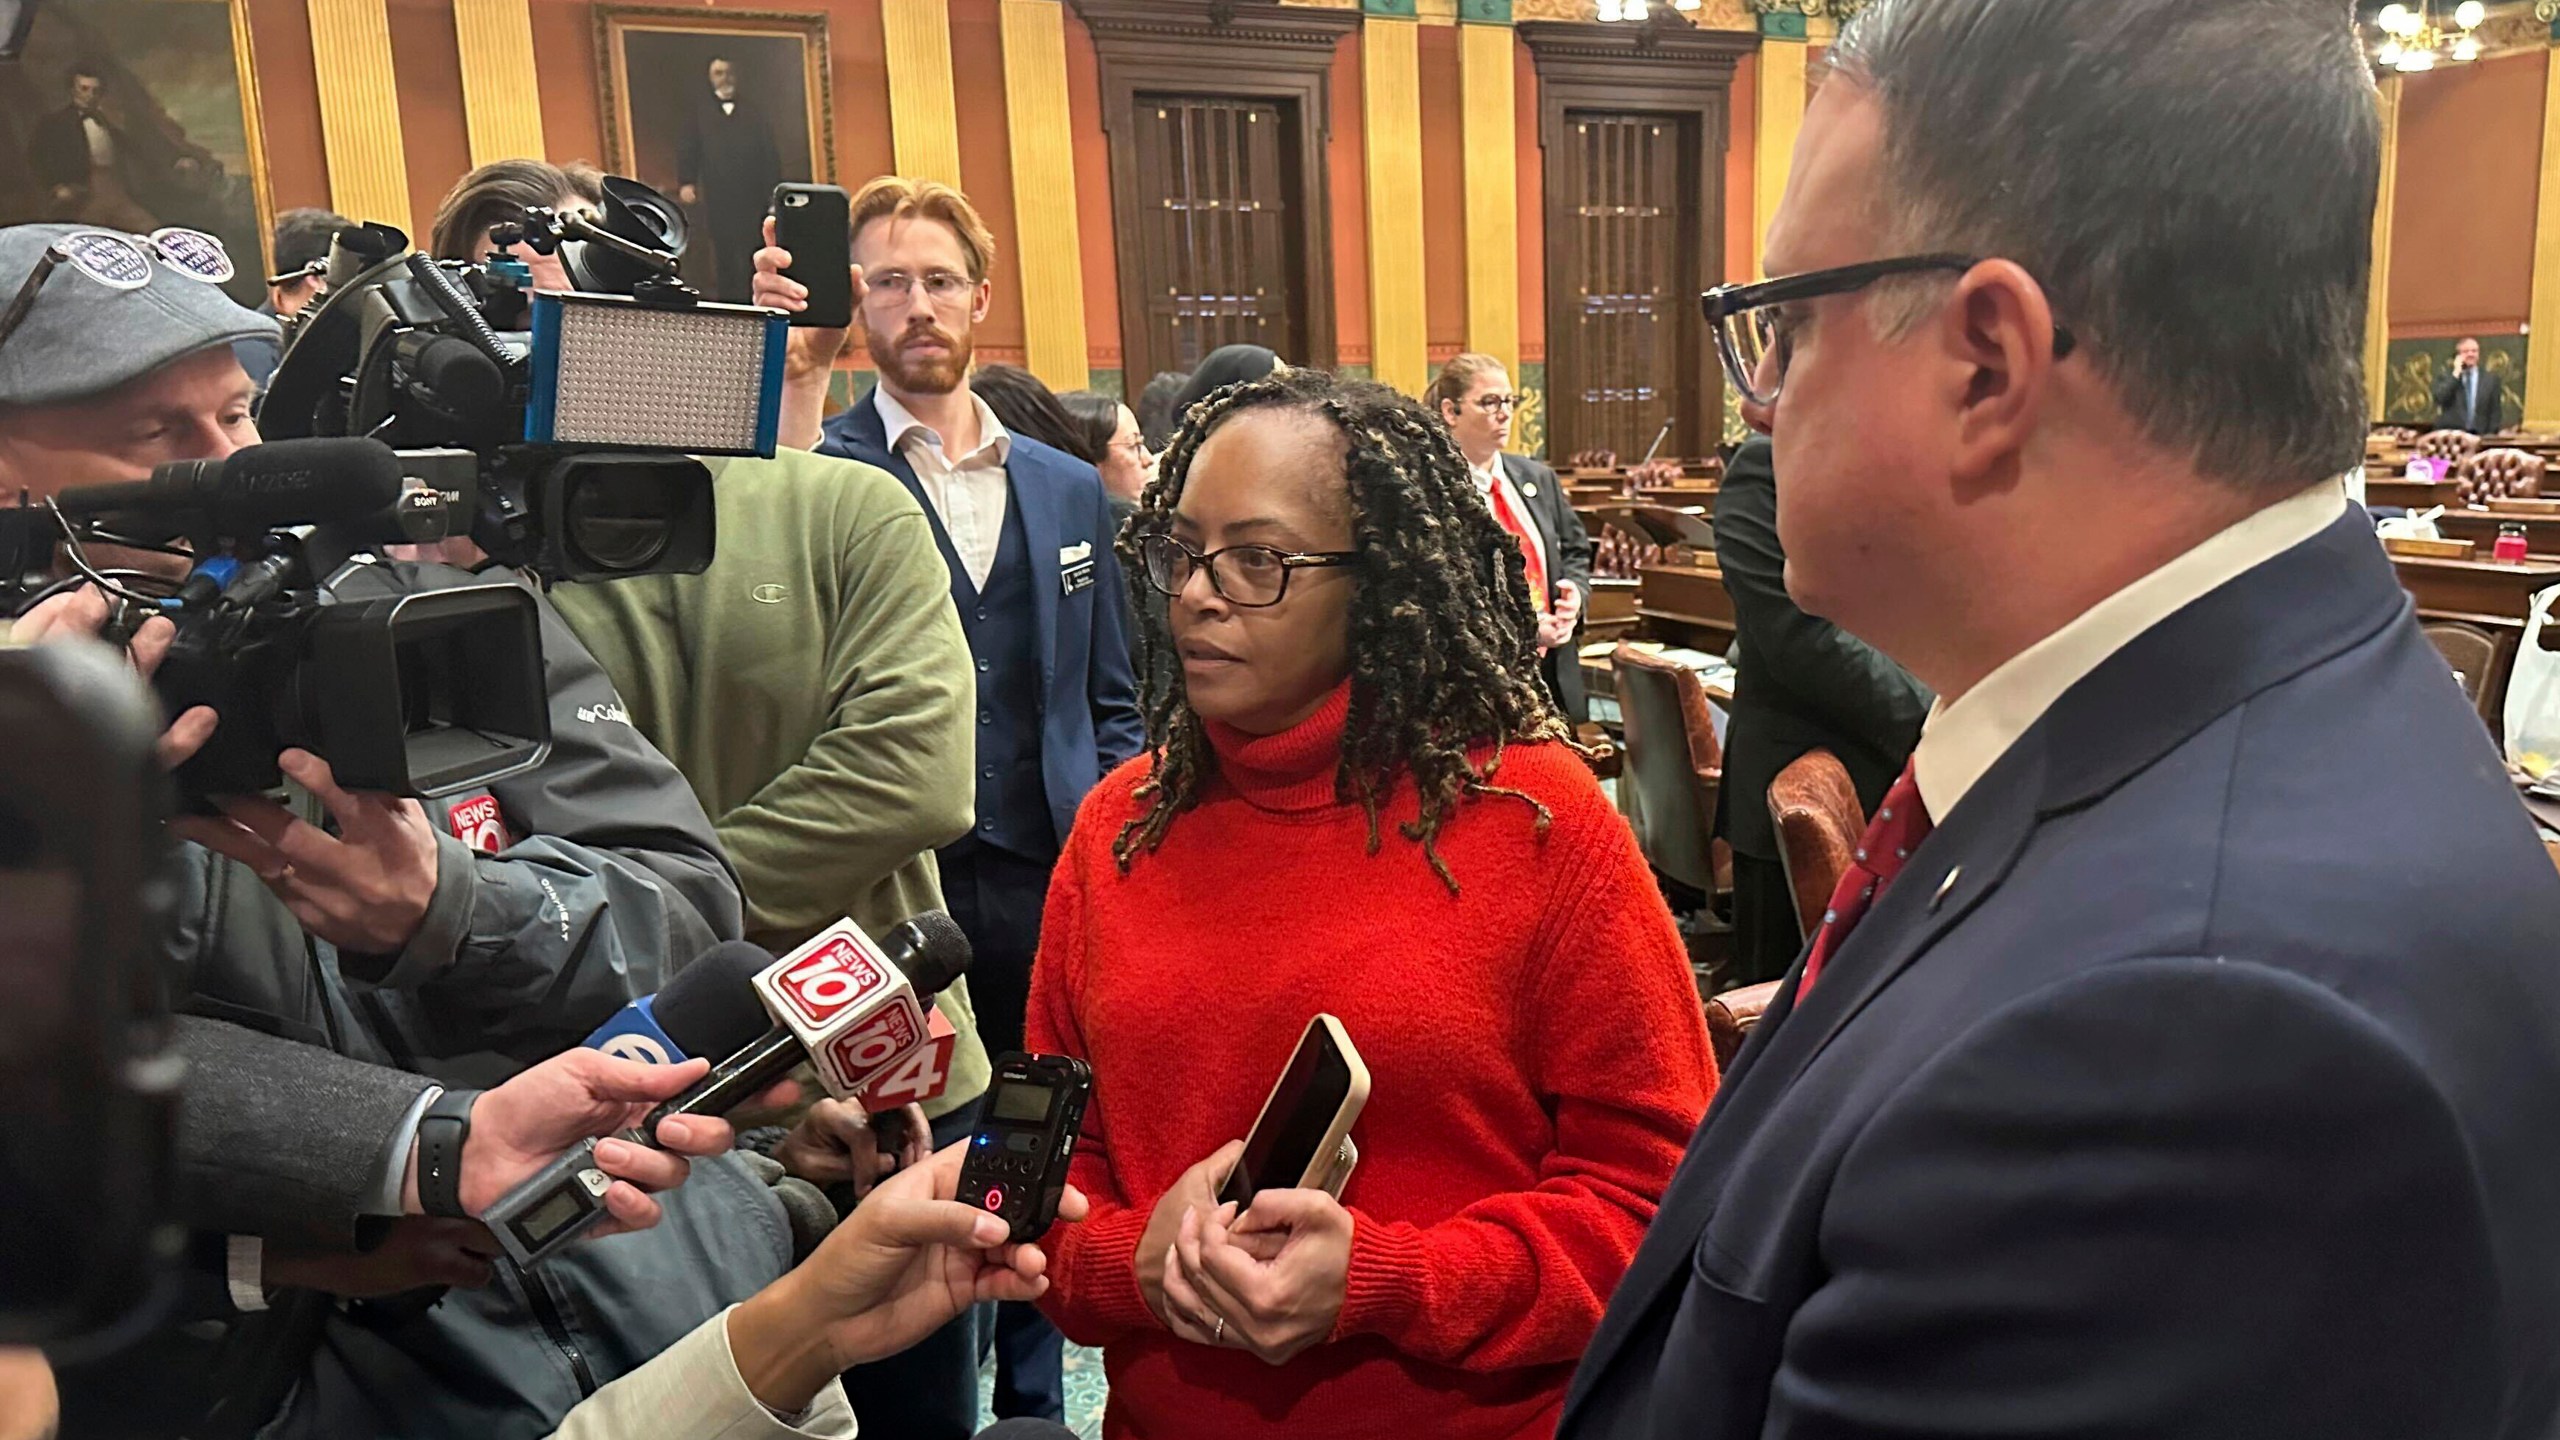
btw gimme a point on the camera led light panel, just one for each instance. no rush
(609, 371)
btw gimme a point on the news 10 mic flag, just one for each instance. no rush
(841, 971)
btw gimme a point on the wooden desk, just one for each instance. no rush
(1610, 614)
(2475, 589)
(2412, 494)
(2480, 528)
(1686, 605)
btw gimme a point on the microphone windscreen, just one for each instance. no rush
(929, 950)
(710, 1008)
(306, 482)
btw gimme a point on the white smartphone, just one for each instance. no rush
(1303, 1135)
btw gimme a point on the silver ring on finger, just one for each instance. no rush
(1219, 1336)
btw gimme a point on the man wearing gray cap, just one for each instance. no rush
(461, 939)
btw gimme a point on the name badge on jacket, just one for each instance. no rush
(1075, 567)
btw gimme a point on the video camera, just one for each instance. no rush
(285, 631)
(570, 419)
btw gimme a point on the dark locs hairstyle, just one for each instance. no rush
(1443, 645)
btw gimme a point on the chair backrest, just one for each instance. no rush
(2448, 444)
(2498, 473)
(1673, 765)
(1814, 805)
(1731, 1014)
(2473, 654)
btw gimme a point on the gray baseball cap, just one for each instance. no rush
(83, 338)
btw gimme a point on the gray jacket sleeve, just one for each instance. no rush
(611, 878)
(279, 1138)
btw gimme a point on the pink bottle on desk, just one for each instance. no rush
(2511, 547)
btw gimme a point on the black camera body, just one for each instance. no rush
(585, 409)
(424, 693)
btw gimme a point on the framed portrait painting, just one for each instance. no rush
(132, 115)
(715, 108)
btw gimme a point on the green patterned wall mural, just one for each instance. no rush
(2416, 367)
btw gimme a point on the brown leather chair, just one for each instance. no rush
(2498, 473)
(1594, 459)
(1814, 805)
(2481, 663)
(2448, 444)
(1731, 1015)
(1673, 766)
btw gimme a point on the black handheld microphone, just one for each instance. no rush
(856, 1004)
(929, 952)
(283, 482)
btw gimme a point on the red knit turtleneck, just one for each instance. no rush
(1291, 771)
(1535, 1047)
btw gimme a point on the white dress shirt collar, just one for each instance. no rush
(1961, 741)
(898, 425)
(1488, 474)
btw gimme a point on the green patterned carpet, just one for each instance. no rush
(1085, 1392)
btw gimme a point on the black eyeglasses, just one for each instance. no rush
(1754, 336)
(1490, 404)
(1249, 576)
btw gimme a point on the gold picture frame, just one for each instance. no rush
(169, 96)
(615, 23)
(664, 121)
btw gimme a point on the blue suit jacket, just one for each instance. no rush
(2200, 1076)
(1089, 719)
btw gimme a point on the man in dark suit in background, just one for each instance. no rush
(93, 168)
(1473, 395)
(2145, 1080)
(2470, 398)
(727, 164)
(1800, 683)
(1027, 536)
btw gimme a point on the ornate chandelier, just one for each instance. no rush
(2412, 39)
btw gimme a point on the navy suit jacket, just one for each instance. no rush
(1089, 719)
(2199, 1076)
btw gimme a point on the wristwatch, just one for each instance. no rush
(441, 1133)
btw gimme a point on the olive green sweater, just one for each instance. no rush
(814, 686)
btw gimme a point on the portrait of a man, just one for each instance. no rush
(715, 109)
(132, 115)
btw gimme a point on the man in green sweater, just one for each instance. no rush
(814, 686)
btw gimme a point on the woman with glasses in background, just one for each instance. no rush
(1360, 802)
(1473, 396)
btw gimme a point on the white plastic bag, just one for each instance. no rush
(2533, 695)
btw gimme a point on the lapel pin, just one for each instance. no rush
(1943, 887)
(1528, 490)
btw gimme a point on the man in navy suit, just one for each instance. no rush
(2181, 1057)
(1027, 534)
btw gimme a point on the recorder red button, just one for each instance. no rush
(995, 1197)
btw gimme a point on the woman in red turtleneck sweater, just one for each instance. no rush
(1359, 803)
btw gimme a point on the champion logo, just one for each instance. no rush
(599, 714)
(769, 594)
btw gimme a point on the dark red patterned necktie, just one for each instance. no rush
(1901, 823)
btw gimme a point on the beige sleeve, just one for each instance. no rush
(693, 1391)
